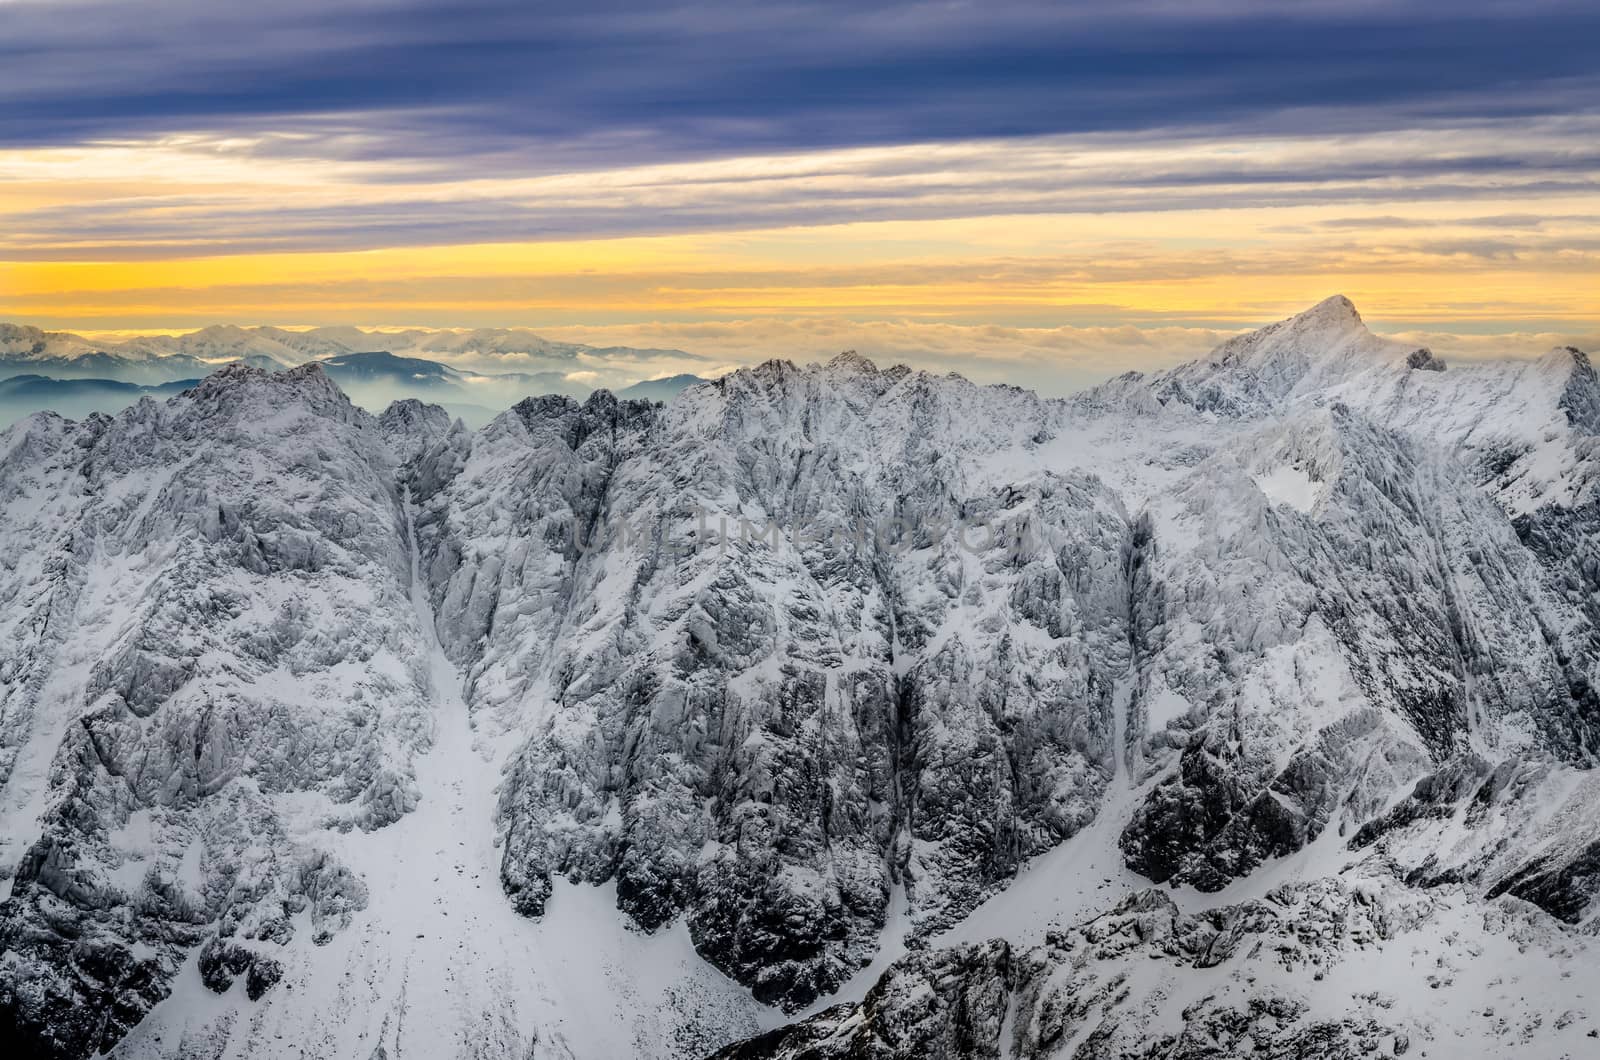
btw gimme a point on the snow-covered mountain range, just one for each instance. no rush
(166, 358)
(471, 374)
(823, 711)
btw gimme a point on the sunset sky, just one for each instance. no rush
(1045, 191)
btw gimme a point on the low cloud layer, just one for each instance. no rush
(1054, 361)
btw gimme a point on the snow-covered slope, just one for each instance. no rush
(617, 728)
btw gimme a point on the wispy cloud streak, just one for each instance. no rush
(213, 193)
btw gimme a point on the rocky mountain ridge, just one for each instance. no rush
(809, 665)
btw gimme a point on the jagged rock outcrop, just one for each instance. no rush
(1126, 983)
(1522, 826)
(946, 1005)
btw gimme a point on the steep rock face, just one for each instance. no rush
(172, 692)
(1527, 827)
(410, 428)
(1339, 609)
(1565, 539)
(779, 679)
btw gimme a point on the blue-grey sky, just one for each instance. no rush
(626, 81)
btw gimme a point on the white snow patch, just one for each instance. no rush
(1291, 485)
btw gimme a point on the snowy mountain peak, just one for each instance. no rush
(1580, 394)
(25, 342)
(19, 337)
(1326, 330)
(1250, 374)
(231, 375)
(1564, 359)
(409, 413)
(232, 332)
(239, 387)
(853, 362)
(1336, 311)
(236, 373)
(410, 426)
